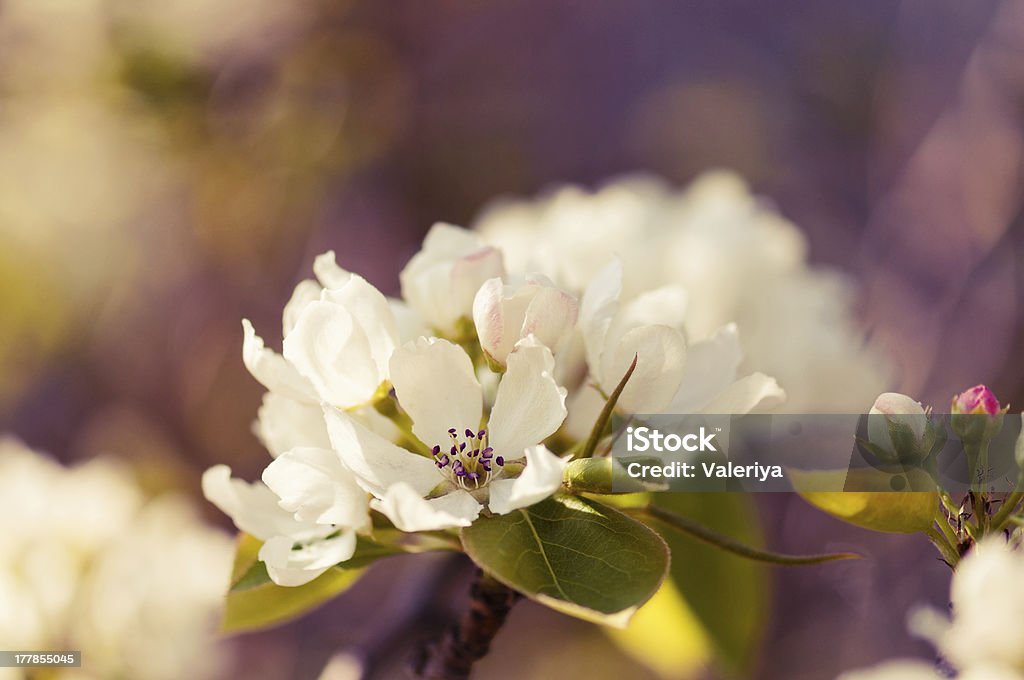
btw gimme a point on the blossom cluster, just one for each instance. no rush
(469, 394)
(984, 639)
(89, 563)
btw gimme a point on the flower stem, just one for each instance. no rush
(469, 640)
(1009, 505)
(606, 413)
(728, 544)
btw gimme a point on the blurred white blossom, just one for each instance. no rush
(87, 562)
(984, 639)
(737, 259)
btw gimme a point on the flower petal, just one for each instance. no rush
(541, 478)
(288, 566)
(661, 355)
(373, 314)
(314, 485)
(529, 405)
(283, 423)
(327, 271)
(409, 511)
(271, 369)
(710, 369)
(332, 351)
(305, 292)
(377, 463)
(441, 280)
(252, 507)
(756, 390)
(437, 386)
(597, 309)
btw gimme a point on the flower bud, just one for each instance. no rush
(977, 415)
(898, 428)
(441, 280)
(977, 400)
(506, 313)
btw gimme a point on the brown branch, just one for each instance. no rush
(469, 639)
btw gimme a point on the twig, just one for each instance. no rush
(468, 640)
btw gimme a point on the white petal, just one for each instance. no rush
(373, 314)
(305, 292)
(332, 351)
(529, 405)
(664, 306)
(710, 369)
(283, 423)
(313, 484)
(441, 280)
(490, 313)
(437, 386)
(585, 406)
(755, 391)
(597, 309)
(410, 325)
(409, 511)
(327, 271)
(377, 463)
(272, 370)
(252, 507)
(901, 409)
(294, 567)
(550, 317)
(661, 355)
(541, 478)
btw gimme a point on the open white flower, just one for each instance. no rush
(441, 280)
(506, 313)
(470, 464)
(295, 551)
(337, 341)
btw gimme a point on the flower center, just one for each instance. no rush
(469, 462)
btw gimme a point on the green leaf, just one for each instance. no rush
(882, 510)
(574, 555)
(255, 602)
(728, 594)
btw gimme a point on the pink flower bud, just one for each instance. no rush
(977, 400)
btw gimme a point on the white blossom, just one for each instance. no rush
(90, 562)
(470, 462)
(440, 281)
(506, 313)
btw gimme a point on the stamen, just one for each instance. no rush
(470, 463)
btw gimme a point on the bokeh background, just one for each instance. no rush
(168, 168)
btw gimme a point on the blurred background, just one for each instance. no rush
(168, 168)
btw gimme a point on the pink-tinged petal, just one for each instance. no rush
(313, 484)
(441, 280)
(661, 354)
(332, 351)
(710, 369)
(541, 477)
(377, 463)
(288, 565)
(409, 511)
(436, 385)
(272, 370)
(529, 405)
